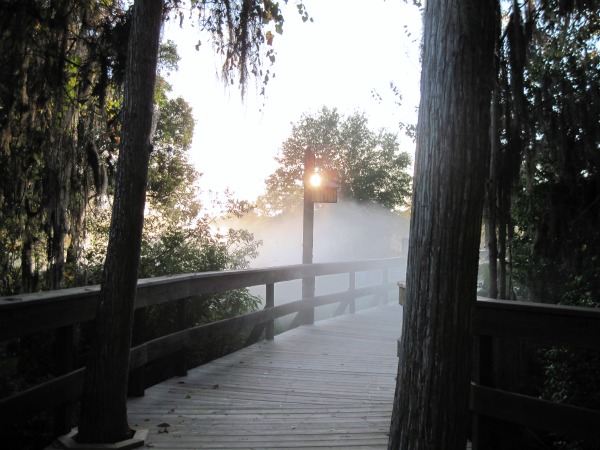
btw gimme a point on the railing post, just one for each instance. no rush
(401, 293)
(270, 303)
(269, 325)
(137, 382)
(64, 358)
(181, 355)
(385, 282)
(482, 375)
(308, 291)
(305, 316)
(352, 287)
(401, 302)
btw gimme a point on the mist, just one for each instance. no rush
(343, 231)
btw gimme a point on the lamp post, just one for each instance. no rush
(308, 284)
(319, 187)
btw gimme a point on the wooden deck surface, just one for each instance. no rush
(328, 385)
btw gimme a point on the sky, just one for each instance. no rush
(337, 60)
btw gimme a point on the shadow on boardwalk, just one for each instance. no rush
(328, 385)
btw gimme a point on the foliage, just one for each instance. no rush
(60, 77)
(563, 170)
(548, 167)
(409, 129)
(370, 167)
(179, 250)
(242, 33)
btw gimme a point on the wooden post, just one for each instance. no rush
(483, 375)
(402, 293)
(137, 383)
(64, 363)
(308, 284)
(385, 281)
(181, 355)
(401, 302)
(351, 288)
(270, 303)
(350, 302)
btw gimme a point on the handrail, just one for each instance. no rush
(61, 310)
(25, 314)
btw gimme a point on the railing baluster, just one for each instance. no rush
(64, 361)
(308, 291)
(270, 303)
(381, 295)
(181, 355)
(352, 287)
(137, 382)
(483, 375)
(305, 316)
(386, 296)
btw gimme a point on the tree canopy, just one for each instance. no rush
(369, 164)
(62, 69)
(61, 77)
(543, 210)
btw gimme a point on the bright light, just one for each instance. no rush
(315, 180)
(242, 161)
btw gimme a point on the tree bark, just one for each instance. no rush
(432, 391)
(104, 409)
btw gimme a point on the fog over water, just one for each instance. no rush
(343, 231)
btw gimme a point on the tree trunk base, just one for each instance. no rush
(138, 440)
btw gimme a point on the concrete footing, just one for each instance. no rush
(137, 440)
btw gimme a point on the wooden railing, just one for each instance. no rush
(61, 311)
(531, 322)
(541, 324)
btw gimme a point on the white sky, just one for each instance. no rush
(336, 61)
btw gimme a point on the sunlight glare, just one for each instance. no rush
(315, 180)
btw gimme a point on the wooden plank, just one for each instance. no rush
(328, 385)
(40, 313)
(536, 322)
(536, 413)
(49, 394)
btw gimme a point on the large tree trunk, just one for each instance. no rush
(432, 392)
(104, 408)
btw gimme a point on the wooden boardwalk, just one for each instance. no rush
(328, 385)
